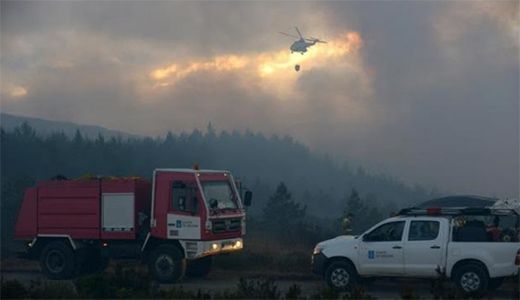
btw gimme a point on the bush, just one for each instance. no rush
(443, 288)
(357, 292)
(13, 289)
(409, 294)
(95, 286)
(326, 293)
(294, 292)
(51, 290)
(125, 282)
(262, 288)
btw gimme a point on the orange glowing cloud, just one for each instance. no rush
(219, 63)
(16, 91)
(267, 65)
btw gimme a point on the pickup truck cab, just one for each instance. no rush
(475, 247)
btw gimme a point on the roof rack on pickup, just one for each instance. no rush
(454, 211)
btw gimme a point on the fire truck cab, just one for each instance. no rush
(174, 223)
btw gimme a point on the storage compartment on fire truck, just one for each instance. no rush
(124, 203)
(86, 209)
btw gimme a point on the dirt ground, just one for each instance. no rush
(221, 280)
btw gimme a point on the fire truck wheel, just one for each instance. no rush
(57, 260)
(167, 264)
(199, 267)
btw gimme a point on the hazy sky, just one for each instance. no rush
(427, 92)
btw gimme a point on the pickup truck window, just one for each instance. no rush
(388, 232)
(423, 230)
(476, 228)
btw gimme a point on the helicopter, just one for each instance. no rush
(302, 43)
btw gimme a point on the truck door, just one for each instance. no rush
(381, 250)
(184, 213)
(424, 247)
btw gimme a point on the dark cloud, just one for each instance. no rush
(432, 95)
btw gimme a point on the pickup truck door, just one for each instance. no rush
(425, 246)
(381, 250)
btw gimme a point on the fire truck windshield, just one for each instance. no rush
(220, 191)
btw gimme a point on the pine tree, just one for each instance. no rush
(169, 140)
(281, 213)
(78, 138)
(354, 204)
(353, 211)
(211, 133)
(360, 213)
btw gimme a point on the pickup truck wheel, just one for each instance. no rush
(167, 264)
(57, 260)
(199, 267)
(472, 279)
(341, 275)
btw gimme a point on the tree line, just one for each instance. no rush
(319, 185)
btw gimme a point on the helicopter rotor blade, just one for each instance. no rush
(299, 33)
(316, 40)
(293, 36)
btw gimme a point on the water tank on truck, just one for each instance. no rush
(175, 223)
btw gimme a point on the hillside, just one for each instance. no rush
(46, 127)
(261, 162)
(320, 185)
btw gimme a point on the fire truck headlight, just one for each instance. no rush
(214, 246)
(238, 245)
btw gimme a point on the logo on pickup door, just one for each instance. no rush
(379, 254)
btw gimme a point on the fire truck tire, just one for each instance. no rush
(167, 264)
(199, 267)
(57, 260)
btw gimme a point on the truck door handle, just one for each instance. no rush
(397, 247)
(435, 247)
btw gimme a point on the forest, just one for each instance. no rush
(293, 187)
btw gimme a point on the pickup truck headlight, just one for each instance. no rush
(317, 249)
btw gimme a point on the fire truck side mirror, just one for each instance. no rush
(247, 198)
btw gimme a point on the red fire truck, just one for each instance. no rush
(174, 223)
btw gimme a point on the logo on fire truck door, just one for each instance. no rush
(183, 227)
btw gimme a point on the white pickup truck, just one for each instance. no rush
(475, 247)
